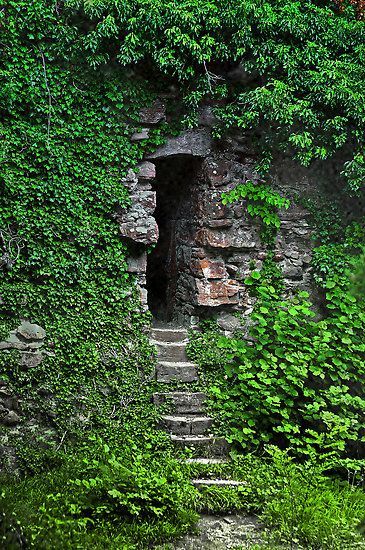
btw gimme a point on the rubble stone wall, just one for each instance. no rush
(216, 245)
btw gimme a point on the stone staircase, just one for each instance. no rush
(187, 422)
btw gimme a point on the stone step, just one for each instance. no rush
(185, 425)
(182, 402)
(175, 351)
(167, 371)
(169, 334)
(217, 483)
(204, 444)
(206, 461)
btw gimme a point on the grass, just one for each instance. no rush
(300, 506)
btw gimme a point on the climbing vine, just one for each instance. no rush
(295, 69)
(66, 132)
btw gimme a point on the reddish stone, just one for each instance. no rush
(211, 208)
(210, 269)
(216, 293)
(216, 224)
(217, 173)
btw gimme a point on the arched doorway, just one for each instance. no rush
(168, 263)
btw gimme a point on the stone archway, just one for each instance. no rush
(169, 289)
(203, 249)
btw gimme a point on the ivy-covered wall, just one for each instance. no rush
(78, 81)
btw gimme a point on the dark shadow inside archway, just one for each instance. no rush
(175, 212)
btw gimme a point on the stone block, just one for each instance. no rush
(31, 359)
(169, 334)
(176, 372)
(137, 264)
(10, 419)
(176, 424)
(143, 296)
(30, 331)
(145, 200)
(140, 136)
(206, 445)
(144, 231)
(196, 143)
(217, 293)
(228, 322)
(11, 403)
(210, 269)
(217, 173)
(236, 238)
(171, 351)
(201, 425)
(14, 345)
(217, 224)
(182, 402)
(184, 425)
(153, 114)
(147, 171)
(211, 208)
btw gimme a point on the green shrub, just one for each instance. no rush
(296, 381)
(304, 506)
(139, 495)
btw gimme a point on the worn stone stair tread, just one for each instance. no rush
(197, 438)
(169, 334)
(171, 351)
(168, 329)
(207, 444)
(187, 424)
(182, 402)
(171, 371)
(206, 461)
(163, 343)
(186, 418)
(217, 483)
(177, 364)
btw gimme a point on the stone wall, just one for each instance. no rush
(215, 246)
(25, 342)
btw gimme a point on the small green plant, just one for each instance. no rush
(262, 202)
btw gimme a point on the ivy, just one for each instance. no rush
(66, 132)
(295, 69)
(262, 202)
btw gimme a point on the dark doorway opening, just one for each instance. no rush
(174, 185)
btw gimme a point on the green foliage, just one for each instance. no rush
(296, 381)
(358, 278)
(262, 202)
(66, 132)
(299, 503)
(338, 263)
(302, 66)
(303, 506)
(99, 496)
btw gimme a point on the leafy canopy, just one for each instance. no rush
(302, 70)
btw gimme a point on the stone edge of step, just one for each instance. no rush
(186, 418)
(199, 438)
(163, 343)
(205, 461)
(218, 483)
(181, 364)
